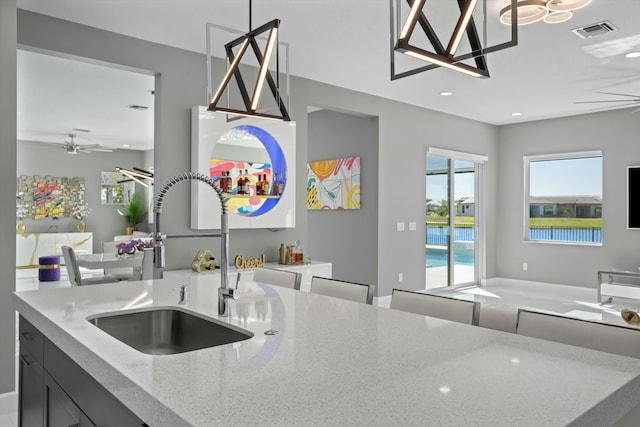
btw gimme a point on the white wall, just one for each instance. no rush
(616, 134)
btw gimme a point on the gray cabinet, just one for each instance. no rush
(54, 391)
(60, 410)
(31, 376)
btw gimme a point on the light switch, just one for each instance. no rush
(412, 226)
(400, 226)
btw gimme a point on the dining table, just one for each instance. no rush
(104, 260)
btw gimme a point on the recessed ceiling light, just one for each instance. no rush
(126, 145)
(446, 93)
(632, 55)
(516, 114)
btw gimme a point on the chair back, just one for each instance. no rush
(616, 339)
(453, 309)
(340, 289)
(72, 266)
(501, 317)
(272, 276)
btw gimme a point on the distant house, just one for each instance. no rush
(565, 207)
(465, 206)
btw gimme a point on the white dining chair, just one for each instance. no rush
(616, 339)
(501, 317)
(73, 271)
(342, 289)
(452, 309)
(272, 276)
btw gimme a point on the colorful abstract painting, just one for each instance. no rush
(333, 184)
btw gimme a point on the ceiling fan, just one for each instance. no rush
(631, 100)
(73, 147)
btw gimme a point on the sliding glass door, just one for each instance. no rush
(452, 220)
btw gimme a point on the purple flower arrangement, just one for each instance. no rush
(132, 246)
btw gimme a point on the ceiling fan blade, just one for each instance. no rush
(620, 94)
(103, 150)
(608, 100)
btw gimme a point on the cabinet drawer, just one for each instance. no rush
(31, 341)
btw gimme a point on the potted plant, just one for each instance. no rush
(134, 213)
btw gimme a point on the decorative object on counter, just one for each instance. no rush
(630, 316)
(252, 104)
(49, 268)
(134, 213)
(204, 261)
(80, 211)
(48, 196)
(241, 262)
(130, 247)
(284, 254)
(333, 184)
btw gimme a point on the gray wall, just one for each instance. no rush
(104, 220)
(8, 118)
(616, 133)
(404, 132)
(347, 238)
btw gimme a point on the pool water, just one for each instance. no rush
(438, 257)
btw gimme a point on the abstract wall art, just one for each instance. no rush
(333, 184)
(40, 197)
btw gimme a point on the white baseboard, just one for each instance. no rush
(8, 403)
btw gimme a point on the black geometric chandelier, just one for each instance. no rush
(442, 55)
(251, 102)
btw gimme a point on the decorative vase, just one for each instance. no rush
(129, 230)
(82, 226)
(21, 227)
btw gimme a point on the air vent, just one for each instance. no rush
(594, 29)
(137, 107)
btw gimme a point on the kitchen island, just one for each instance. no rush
(331, 362)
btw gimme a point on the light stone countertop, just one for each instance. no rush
(333, 362)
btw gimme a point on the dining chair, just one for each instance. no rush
(501, 317)
(342, 289)
(73, 270)
(616, 339)
(120, 273)
(447, 308)
(272, 276)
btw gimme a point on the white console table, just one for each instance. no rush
(31, 246)
(315, 268)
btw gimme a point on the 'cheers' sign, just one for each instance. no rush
(242, 262)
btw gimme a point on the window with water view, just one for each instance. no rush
(564, 198)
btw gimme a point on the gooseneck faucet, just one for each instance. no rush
(224, 292)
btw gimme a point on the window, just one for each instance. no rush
(563, 198)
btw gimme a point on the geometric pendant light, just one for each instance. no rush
(264, 75)
(443, 56)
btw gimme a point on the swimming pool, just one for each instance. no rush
(436, 257)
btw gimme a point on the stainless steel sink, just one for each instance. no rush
(168, 331)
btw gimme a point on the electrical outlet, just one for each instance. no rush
(412, 226)
(400, 277)
(525, 267)
(400, 226)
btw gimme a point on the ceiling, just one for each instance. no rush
(346, 43)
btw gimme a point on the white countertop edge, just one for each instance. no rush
(146, 406)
